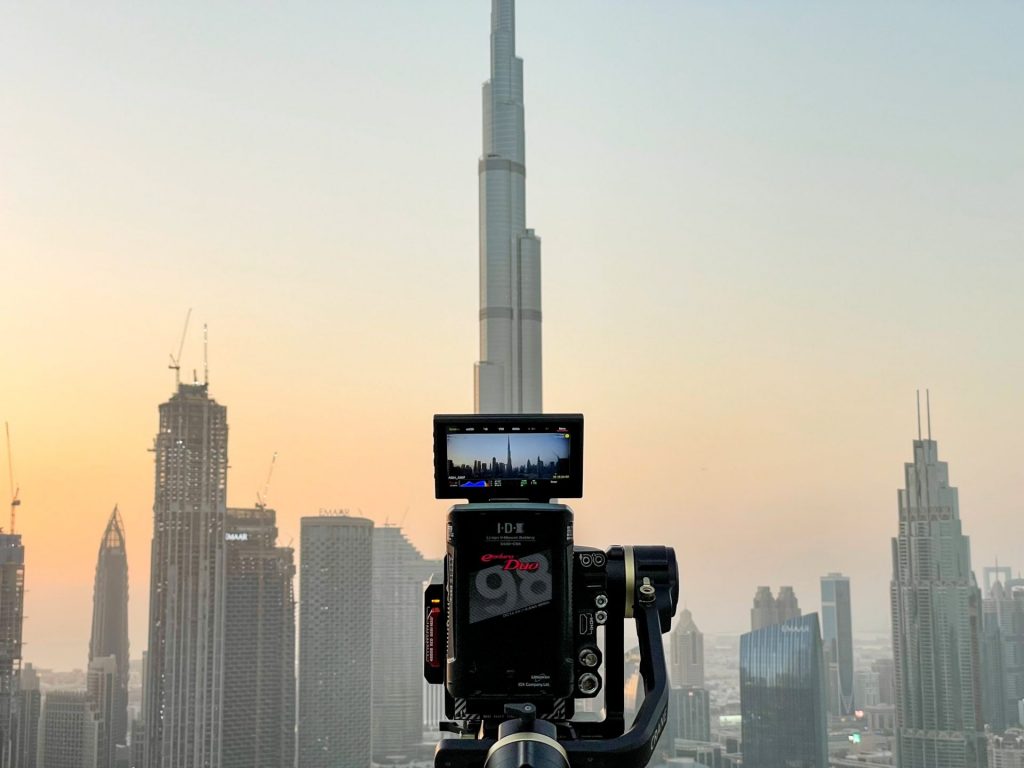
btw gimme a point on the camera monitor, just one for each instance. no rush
(507, 457)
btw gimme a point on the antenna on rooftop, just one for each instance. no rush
(206, 364)
(928, 405)
(919, 414)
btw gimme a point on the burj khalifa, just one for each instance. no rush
(507, 379)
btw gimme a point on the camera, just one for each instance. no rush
(527, 622)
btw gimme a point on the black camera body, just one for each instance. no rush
(524, 620)
(517, 587)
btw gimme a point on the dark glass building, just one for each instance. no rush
(783, 696)
(258, 720)
(837, 629)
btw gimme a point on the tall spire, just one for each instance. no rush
(109, 636)
(507, 378)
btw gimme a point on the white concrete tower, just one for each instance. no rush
(508, 377)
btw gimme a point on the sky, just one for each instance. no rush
(764, 227)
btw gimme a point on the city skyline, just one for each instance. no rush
(750, 351)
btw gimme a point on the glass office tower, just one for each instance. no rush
(783, 696)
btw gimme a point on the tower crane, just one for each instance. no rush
(261, 498)
(175, 364)
(15, 501)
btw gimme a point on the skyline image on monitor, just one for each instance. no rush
(478, 459)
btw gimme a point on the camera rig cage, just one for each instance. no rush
(513, 633)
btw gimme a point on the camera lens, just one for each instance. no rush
(588, 683)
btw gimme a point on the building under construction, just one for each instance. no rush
(12, 603)
(184, 665)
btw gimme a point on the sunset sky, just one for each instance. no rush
(764, 227)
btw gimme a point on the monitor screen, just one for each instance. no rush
(514, 456)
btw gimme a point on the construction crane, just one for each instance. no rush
(175, 364)
(261, 498)
(15, 501)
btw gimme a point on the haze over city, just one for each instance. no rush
(762, 232)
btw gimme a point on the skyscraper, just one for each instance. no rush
(103, 688)
(764, 613)
(258, 728)
(936, 618)
(690, 711)
(787, 605)
(768, 610)
(686, 653)
(783, 696)
(335, 642)
(68, 731)
(1003, 652)
(12, 604)
(837, 635)
(399, 575)
(886, 669)
(110, 623)
(185, 672)
(507, 378)
(30, 702)
(993, 672)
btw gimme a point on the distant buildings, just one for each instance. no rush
(103, 687)
(258, 728)
(12, 604)
(865, 688)
(399, 575)
(886, 669)
(109, 637)
(936, 617)
(783, 696)
(335, 646)
(689, 717)
(1003, 649)
(1006, 751)
(68, 732)
(185, 660)
(769, 610)
(837, 636)
(690, 713)
(686, 657)
(24, 750)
